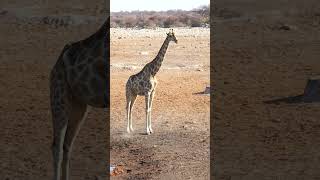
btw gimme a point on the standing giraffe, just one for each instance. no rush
(78, 79)
(144, 84)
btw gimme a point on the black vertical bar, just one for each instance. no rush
(107, 59)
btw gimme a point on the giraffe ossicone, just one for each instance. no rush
(144, 83)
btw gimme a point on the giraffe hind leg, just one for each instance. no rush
(150, 106)
(77, 116)
(57, 150)
(128, 115)
(128, 107)
(133, 99)
(147, 101)
(59, 108)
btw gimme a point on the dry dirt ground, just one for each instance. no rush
(30, 45)
(267, 50)
(179, 146)
(29, 48)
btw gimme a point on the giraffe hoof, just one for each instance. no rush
(149, 131)
(131, 129)
(128, 130)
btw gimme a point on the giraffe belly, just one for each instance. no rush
(142, 88)
(93, 93)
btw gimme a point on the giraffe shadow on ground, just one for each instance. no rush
(311, 94)
(143, 134)
(207, 91)
(201, 93)
(299, 99)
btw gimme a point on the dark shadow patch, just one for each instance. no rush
(311, 94)
(95, 85)
(294, 100)
(80, 67)
(288, 100)
(207, 91)
(85, 75)
(144, 134)
(201, 93)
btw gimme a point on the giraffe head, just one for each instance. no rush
(171, 36)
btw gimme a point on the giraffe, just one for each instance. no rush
(79, 79)
(144, 83)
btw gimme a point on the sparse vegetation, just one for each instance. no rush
(198, 17)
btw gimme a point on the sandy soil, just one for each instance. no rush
(28, 51)
(179, 146)
(255, 60)
(260, 56)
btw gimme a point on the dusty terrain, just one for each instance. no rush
(179, 146)
(29, 48)
(30, 44)
(264, 51)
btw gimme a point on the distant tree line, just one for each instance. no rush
(198, 17)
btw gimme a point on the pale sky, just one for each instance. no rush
(155, 5)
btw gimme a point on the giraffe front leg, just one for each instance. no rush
(147, 99)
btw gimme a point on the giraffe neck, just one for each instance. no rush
(94, 47)
(98, 50)
(100, 34)
(156, 63)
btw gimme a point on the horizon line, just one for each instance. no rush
(160, 10)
